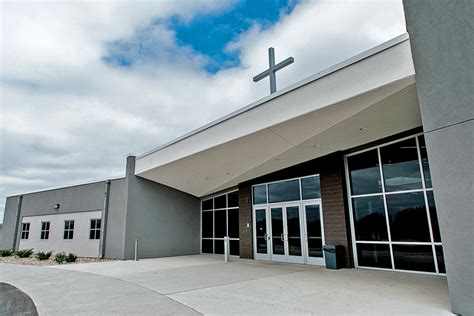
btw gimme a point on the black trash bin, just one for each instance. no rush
(334, 256)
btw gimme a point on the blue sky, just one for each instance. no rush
(206, 34)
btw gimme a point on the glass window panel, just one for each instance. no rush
(260, 194)
(370, 255)
(311, 188)
(440, 259)
(413, 257)
(207, 224)
(261, 227)
(207, 246)
(234, 247)
(92, 223)
(71, 224)
(424, 162)
(369, 218)
(219, 247)
(364, 173)
(207, 205)
(407, 215)
(313, 221)
(284, 191)
(233, 223)
(92, 234)
(400, 165)
(98, 223)
(277, 231)
(233, 199)
(220, 202)
(294, 232)
(65, 235)
(433, 217)
(315, 246)
(220, 224)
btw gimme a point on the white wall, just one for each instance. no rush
(80, 245)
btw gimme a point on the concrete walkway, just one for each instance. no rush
(204, 284)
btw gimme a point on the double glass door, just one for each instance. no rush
(289, 232)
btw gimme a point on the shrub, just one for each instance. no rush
(43, 255)
(6, 252)
(60, 257)
(25, 253)
(71, 257)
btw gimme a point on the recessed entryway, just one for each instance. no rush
(285, 230)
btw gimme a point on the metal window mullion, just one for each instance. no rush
(351, 215)
(386, 208)
(427, 208)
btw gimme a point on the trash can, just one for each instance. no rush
(334, 256)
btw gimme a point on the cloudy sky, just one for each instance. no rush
(83, 84)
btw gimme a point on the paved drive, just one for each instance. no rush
(204, 284)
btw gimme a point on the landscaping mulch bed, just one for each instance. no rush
(49, 262)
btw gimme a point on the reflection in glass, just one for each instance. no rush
(400, 165)
(284, 191)
(207, 222)
(220, 223)
(261, 227)
(313, 229)
(260, 194)
(407, 216)
(233, 223)
(311, 188)
(220, 201)
(277, 231)
(294, 232)
(413, 257)
(207, 245)
(233, 199)
(370, 255)
(424, 162)
(234, 247)
(219, 247)
(207, 205)
(440, 259)
(364, 173)
(369, 218)
(433, 217)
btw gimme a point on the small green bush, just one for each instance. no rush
(6, 252)
(71, 257)
(43, 255)
(60, 257)
(25, 253)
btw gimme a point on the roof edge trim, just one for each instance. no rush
(359, 57)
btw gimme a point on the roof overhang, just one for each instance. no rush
(368, 97)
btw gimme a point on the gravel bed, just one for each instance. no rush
(32, 261)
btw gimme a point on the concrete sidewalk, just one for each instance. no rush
(204, 284)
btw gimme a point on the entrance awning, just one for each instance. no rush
(368, 97)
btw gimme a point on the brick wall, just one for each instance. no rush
(245, 216)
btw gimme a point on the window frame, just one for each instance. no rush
(95, 229)
(69, 230)
(213, 210)
(46, 232)
(424, 190)
(25, 230)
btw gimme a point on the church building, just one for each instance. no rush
(373, 154)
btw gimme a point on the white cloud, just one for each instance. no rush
(68, 117)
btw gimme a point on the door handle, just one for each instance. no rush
(265, 236)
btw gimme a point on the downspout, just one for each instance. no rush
(17, 221)
(103, 230)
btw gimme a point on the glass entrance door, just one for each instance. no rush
(313, 233)
(289, 232)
